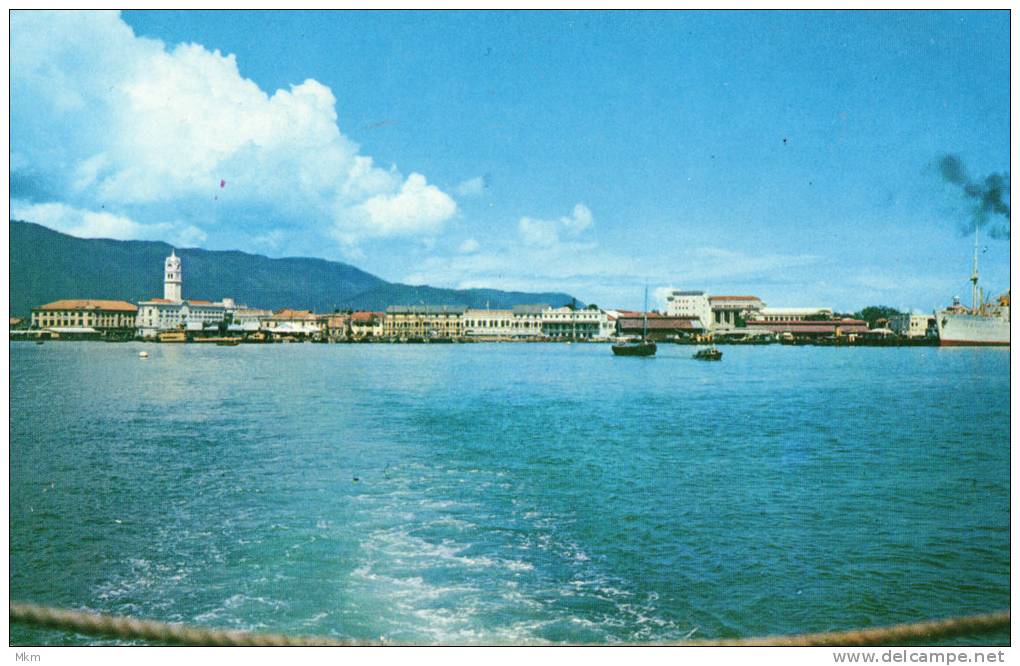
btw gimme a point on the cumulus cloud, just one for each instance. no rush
(468, 246)
(417, 207)
(546, 233)
(103, 117)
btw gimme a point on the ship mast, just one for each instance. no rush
(975, 294)
(644, 326)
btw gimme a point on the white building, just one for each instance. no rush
(523, 321)
(567, 323)
(173, 313)
(727, 311)
(913, 325)
(791, 314)
(479, 323)
(690, 304)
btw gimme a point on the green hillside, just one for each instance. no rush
(47, 265)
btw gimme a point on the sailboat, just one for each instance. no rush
(642, 347)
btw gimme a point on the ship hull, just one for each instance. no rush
(965, 330)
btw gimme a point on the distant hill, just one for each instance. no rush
(47, 265)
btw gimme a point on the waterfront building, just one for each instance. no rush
(808, 328)
(298, 323)
(338, 325)
(690, 304)
(790, 314)
(248, 320)
(423, 321)
(527, 321)
(913, 325)
(729, 311)
(522, 321)
(367, 324)
(659, 326)
(568, 323)
(479, 323)
(195, 316)
(85, 313)
(174, 313)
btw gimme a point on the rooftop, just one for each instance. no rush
(89, 304)
(426, 309)
(660, 323)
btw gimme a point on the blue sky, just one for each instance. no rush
(791, 155)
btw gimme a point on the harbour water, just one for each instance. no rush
(508, 493)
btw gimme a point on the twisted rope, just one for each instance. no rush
(116, 626)
(929, 632)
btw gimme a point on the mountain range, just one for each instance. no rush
(47, 265)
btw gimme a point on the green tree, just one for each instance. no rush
(873, 313)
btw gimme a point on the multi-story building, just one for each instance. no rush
(479, 323)
(527, 321)
(790, 314)
(913, 325)
(423, 321)
(729, 311)
(584, 324)
(249, 320)
(174, 313)
(299, 323)
(100, 315)
(523, 321)
(367, 324)
(809, 328)
(690, 304)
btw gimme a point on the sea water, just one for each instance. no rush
(508, 493)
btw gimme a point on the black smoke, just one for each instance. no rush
(988, 198)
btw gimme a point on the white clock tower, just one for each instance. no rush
(172, 280)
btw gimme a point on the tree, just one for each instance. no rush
(873, 313)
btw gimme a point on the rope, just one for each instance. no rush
(928, 632)
(115, 626)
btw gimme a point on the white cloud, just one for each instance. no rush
(102, 116)
(417, 207)
(468, 246)
(102, 224)
(546, 233)
(472, 187)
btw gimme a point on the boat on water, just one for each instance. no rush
(173, 336)
(642, 347)
(710, 354)
(635, 348)
(228, 342)
(981, 324)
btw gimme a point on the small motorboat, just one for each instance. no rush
(143, 354)
(710, 354)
